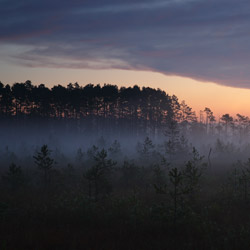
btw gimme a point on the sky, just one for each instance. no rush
(196, 49)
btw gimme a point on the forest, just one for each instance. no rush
(102, 167)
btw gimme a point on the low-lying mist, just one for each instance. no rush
(174, 145)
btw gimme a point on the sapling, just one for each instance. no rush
(175, 177)
(173, 139)
(96, 174)
(44, 162)
(174, 188)
(191, 175)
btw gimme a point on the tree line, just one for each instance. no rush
(101, 108)
(135, 109)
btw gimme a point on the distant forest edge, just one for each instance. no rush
(109, 108)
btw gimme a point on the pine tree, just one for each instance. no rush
(44, 162)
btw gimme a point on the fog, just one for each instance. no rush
(19, 142)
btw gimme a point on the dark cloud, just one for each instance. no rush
(205, 40)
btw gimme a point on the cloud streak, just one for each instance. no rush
(205, 40)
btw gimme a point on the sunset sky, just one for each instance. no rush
(198, 50)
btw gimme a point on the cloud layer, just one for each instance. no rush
(205, 40)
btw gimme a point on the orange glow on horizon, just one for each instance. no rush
(198, 95)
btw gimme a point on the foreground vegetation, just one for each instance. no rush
(106, 200)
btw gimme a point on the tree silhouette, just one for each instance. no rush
(97, 173)
(227, 120)
(210, 118)
(243, 126)
(44, 162)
